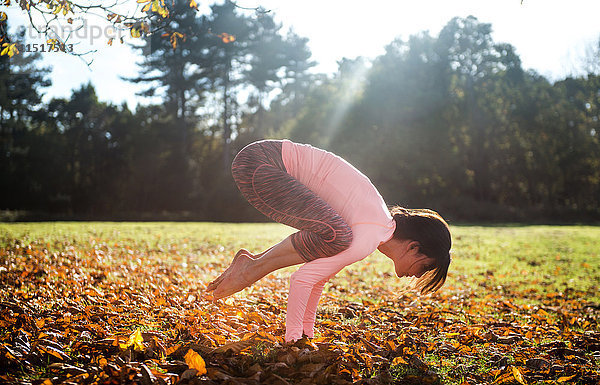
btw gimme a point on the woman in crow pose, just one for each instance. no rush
(341, 218)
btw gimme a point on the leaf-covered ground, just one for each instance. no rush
(112, 303)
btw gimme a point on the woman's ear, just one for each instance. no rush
(414, 247)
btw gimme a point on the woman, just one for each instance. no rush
(341, 218)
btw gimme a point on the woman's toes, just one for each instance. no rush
(212, 286)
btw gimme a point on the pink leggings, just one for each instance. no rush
(262, 178)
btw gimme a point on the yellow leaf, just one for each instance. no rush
(136, 340)
(173, 39)
(110, 41)
(173, 349)
(226, 38)
(146, 7)
(398, 361)
(9, 49)
(143, 1)
(518, 376)
(195, 361)
(4, 17)
(135, 33)
(193, 4)
(566, 378)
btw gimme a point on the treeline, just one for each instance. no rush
(450, 122)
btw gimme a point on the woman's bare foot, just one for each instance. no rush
(246, 268)
(239, 275)
(213, 285)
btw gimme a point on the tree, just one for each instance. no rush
(19, 95)
(591, 60)
(21, 114)
(579, 153)
(248, 54)
(293, 82)
(481, 75)
(327, 103)
(175, 66)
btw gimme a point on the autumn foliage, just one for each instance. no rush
(104, 311)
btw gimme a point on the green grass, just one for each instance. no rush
(545, 259)
(539, 259)
(542, 258)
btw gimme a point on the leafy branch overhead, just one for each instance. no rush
(140, 18)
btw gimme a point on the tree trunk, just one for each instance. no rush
(226, 126)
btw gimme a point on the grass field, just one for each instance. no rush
(521, 305)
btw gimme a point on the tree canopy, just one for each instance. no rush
(450, 122)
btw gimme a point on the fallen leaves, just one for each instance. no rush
(135, 340)
(195, 361)
(103, 313)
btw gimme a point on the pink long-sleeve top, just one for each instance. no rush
(355, 198)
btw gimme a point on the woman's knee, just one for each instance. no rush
(343, 239)
(246, 156)
(256, 154)
(245, 163)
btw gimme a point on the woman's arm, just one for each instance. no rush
(306, 285)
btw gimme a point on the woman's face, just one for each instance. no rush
(407, 258)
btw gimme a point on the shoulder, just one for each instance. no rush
(367, 236)
(365, 239)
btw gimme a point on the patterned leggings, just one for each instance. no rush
(262, 178)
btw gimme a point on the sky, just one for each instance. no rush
(550, 36)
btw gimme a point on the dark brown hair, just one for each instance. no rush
(433, 234)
